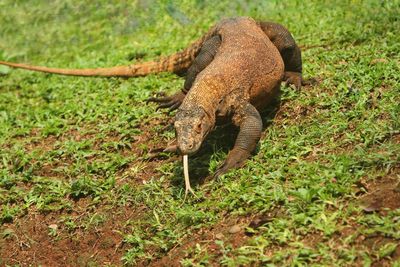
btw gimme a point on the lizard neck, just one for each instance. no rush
(204, 95)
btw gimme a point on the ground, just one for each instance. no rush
(80, 184)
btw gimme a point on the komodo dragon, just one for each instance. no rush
(232, 72)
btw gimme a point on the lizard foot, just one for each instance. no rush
(236, 158)
(172, 102)
(293, 78)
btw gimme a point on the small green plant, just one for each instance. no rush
(76, 153)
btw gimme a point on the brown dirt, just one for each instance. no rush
(206, 238)
(383, 193)
(149, 137)
(31, 241)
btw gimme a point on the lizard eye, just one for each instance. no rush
(198, 128)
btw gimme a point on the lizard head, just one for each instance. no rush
(191, 127)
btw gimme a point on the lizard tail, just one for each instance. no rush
(120, 71)
(176, 63)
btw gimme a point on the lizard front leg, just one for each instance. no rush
(202, 60)
(250, 124)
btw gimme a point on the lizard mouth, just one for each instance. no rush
(189, 146)
(188, 149)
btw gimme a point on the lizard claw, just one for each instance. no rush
(171, 102)
(168, 149)
(155, 152)
(293, 78)
(235, 159)
(222, 169)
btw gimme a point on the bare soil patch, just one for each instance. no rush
(41, 239)
(383, 193)
(231, 231)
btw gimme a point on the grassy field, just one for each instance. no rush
(79, 185)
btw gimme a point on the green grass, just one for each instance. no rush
(75, 150)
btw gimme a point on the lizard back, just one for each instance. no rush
(247, 66)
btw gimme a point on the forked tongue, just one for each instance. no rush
(188, 188)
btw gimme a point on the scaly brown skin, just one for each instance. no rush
(232, 72)
(278, 35)
(237, 73)
(203, 59)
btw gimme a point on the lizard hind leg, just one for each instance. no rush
(289, 51)
(249, 134)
